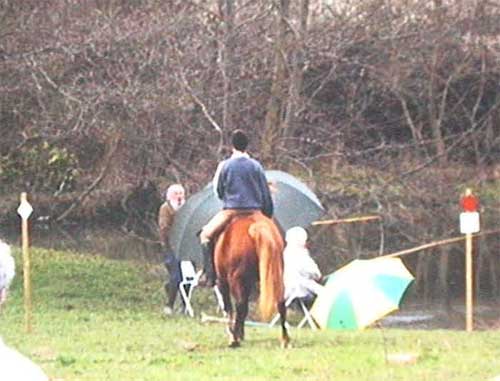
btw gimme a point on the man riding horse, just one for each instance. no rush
(240, 182)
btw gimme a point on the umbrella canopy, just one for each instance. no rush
(361, 293)
(294, 205)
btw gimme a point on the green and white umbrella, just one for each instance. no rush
(361, 293)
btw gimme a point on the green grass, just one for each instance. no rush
(100, 319)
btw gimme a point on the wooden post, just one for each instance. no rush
(468, 283)
(24, 211)
(469, 223)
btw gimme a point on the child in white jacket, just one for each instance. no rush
(301, 273)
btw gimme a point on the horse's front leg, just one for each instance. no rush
(285, 339)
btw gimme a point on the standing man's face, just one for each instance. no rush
(177, 199)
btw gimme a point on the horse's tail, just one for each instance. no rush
(269, 247)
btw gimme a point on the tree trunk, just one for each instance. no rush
(444, 260)
(437, 101)
(272, 124)
(226, 53)
(296, 77)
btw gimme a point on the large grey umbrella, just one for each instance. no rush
(294, 205)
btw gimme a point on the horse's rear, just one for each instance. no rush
(251, 250)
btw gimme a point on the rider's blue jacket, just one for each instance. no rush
(241, 184)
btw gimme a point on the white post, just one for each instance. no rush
(25, 211)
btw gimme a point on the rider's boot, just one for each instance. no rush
(207, 278)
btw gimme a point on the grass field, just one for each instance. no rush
(100, 319)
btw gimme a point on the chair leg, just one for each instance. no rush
(274, 321)
(277, 316)
(186, 297)
(190, 293)
(307, 317)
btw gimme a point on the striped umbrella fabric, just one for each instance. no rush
(361, 293)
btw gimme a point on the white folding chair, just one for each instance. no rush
(307, 315)
(190, 281)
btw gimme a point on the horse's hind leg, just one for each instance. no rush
(241, 294)
(228, 307)
(226, 297)
(241, 315)
(285, 339)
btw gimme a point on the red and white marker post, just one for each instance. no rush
(469, 224)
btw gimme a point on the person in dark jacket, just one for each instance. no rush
(174, 199)
(240, 182)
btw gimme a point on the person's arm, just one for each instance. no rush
(218, 182)
(267, 200)
(310, 269)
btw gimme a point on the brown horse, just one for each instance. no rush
(250, 250)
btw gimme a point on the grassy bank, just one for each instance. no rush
(99, 319)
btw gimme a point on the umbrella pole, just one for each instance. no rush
(384, 340)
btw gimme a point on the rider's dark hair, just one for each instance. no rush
(239, 140)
